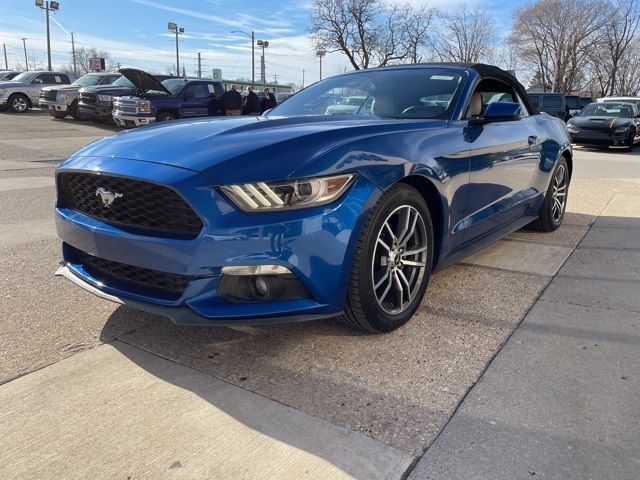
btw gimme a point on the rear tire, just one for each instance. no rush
(18, 103)
(392, 263)
(555, 201)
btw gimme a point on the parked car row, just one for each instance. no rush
(129, 98)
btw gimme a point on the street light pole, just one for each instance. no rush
(264, 44)
(6, 64)
(47, 7)
(321, 52)
(178, 30)
(253, 54)
(26, 62)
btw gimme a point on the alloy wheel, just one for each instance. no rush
(19, 104)
(399, 259)
(559, 194)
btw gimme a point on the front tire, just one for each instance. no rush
(58, 115)
(392, 262)
(631, 141)
(166, 117)
(18, 103)
(555, 201)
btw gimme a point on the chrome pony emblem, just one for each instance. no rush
(106, 196)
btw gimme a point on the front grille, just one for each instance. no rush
(88, 98)
(48, 95)
(124, 108)
(136, 203)
(103, 270)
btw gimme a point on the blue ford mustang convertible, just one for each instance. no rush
(302, 214)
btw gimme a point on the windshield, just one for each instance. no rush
(87, 80)
(123, 82)
(24, 77)
(174, 85)
(607, 109)
(394, 93)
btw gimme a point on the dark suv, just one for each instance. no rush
(96, 102)
(170, 99)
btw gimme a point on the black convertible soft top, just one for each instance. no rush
(487, 71)
(491, 71)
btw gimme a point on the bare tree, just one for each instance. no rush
(553, 39)
(614, 50)
(628, 71)
(466, 35)
(370, 32)
(35, 62)
(417, 23)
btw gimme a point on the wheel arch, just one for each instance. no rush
(569, 158)
(173, 110)
(24, 95)
(432, 198)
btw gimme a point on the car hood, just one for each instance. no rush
(107, 89)
(230, 150)
(600, 122)
(142, 80)
(62, 88)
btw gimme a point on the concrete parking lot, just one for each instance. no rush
(88, 388)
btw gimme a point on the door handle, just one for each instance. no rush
(532, 140)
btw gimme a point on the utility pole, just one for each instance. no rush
(303, 78)
(253, 54)
(26, 62)
(118, 66)
(47, 7)
(321, 53)
(199, 65)
(174, 28)
(275, 78)
(73, 52)
(6, 64)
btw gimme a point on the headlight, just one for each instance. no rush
(61, 97)
(105, 98)
(288, 195)
(622, 129)
(572, 128)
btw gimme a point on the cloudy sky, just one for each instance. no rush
(135, 33)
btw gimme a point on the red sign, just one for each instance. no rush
(96, 64)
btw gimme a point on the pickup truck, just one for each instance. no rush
(63, 101)
(23, 91)
(96, 102)
(170, 99)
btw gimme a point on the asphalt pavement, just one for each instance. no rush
(108, 376)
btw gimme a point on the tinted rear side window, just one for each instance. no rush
(552, 102)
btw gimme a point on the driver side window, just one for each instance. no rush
(491, 91)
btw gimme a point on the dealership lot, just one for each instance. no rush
(315, 396)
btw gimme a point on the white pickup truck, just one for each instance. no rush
(23, 92)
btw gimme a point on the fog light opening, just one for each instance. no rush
(261, 286)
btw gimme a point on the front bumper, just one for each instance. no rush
(95, 110)
(52, 106)
(229, 237)
(600, 139)
(128, 120)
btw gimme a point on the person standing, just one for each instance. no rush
(251, 105)
(269, 100)
(232, 101)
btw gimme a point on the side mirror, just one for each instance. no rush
(499, 112)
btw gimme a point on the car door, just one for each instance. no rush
(504, 158)
(195, 100)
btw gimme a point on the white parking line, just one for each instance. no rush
(24, 183)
